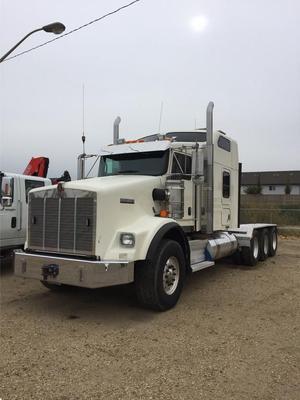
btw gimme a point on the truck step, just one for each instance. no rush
(201, 265)
(197, 251)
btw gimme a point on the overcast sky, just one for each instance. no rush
(244, 55)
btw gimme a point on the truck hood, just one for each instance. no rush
(95, 212)
(119, 182)
(107, 184)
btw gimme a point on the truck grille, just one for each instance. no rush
(65, 225)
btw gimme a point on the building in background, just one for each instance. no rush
(271, 182)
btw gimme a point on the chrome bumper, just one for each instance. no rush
(72, 271)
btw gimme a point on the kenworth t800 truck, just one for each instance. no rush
(161, 207)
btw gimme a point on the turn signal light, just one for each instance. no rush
(164, 213)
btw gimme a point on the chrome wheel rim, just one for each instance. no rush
(274, 240)
(266, 244)
(171, 275)
(255, 247)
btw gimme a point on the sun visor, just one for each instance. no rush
(160, 145)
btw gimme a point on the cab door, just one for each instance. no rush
(11, 235)
(25, 186)
(226, 198)
(182, 169)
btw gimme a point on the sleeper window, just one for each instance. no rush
(226, 184)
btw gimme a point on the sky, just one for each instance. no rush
(243, 55)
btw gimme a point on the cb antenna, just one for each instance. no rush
(83, 135)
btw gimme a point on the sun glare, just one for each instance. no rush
(199, 23)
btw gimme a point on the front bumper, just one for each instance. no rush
(73, 271)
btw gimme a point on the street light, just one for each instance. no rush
(56, 28)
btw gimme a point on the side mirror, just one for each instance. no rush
(197, 166)
(6, 201)
(7, 190)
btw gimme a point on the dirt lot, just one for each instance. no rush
(233, 335)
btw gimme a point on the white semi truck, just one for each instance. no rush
(13, 208)
(162, 207)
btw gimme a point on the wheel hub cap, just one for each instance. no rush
(171, 275)
(266, 244)
(255, 247)
(274, 241)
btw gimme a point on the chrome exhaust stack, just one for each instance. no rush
(210, 161)
(116, 130)
(81, 166)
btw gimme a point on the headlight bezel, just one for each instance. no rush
(127, 239)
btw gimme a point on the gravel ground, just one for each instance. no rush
(233, 335)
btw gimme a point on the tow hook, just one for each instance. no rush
(51, 270)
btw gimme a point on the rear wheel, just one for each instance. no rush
(159, 281)
(251, 255)
(273, 241)
(264, 244)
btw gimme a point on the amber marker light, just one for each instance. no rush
(164, 213)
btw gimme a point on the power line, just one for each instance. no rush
(74, 30)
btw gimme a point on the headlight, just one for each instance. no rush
(127, 239)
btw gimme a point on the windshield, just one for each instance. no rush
(148, 163)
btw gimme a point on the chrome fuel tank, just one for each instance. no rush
(223, 245)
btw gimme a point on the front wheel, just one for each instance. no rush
(159, 282)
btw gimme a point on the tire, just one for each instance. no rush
(237, 257)
(264, 244)
(273, 241)
(56, 287)
(159, 282)
(251, 255)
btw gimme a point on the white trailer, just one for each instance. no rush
(13, 208)
(161, 207)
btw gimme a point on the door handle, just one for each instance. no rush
(13, 223)
(19, 215)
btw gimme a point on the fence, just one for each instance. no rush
(273, 200)
(282, 216)
(283, 210)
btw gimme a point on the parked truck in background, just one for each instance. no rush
(14, 201)
(162, 207)
(13, 208)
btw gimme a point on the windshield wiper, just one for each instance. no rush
(127, 171)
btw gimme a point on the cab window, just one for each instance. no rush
(181, 166)
(31, 184)
(224, 143)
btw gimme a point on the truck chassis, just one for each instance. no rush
(251, 243)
